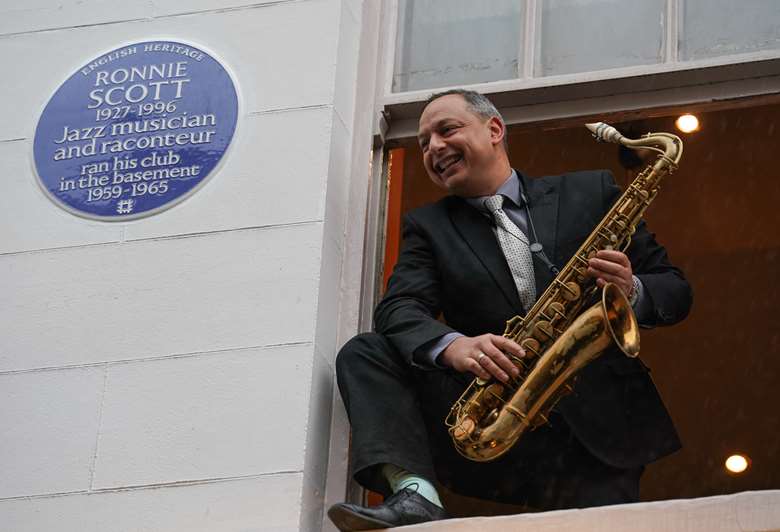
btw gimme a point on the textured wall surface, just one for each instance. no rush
(752, 511)
(175, 372)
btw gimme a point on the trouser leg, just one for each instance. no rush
(397, 414)
(379, 393)
(573, 478)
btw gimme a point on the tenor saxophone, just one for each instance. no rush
(558, 338)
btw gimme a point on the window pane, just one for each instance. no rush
(721, 27)
(586, 35)
(456, 42)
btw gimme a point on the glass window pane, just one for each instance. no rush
(587, 35)
(711, 28)
(456, 42)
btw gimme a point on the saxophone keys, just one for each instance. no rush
(531, 345)
(571, 291)
(521, 365)
(544, 330)
(495, 393)
(608, 234)
(557, 309)
(464, 429)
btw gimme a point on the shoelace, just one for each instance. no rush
(409, 487)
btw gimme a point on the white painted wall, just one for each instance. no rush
(176, 372)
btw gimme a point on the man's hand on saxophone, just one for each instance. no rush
(483, 356)
(610, 266)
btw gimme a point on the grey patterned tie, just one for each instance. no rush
(516, 250)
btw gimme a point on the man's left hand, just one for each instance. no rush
(610, 266)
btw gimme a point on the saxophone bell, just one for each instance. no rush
(482, 438)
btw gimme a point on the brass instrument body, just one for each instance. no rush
(558, 338)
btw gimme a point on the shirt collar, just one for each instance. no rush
(510, 190)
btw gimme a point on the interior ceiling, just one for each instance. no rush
(718, 217)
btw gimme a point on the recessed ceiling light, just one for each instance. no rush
(687, 123)
(737, 463)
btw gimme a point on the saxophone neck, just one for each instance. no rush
(668, 145)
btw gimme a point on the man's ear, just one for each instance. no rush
(497, 130)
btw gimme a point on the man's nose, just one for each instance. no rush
(435, 143)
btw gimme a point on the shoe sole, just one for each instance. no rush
(348, 521)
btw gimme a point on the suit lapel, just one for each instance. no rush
(478, 234)
(543, 204)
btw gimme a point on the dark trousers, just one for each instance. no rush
(397, 414)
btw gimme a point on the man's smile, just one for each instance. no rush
(446, 163)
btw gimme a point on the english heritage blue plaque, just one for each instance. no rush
(135, 131)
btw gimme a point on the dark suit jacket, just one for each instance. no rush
(451, 264)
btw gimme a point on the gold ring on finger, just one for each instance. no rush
(480, 356)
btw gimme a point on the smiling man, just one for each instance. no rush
(468, 259)
(463, 146)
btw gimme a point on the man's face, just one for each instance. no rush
(459, 147)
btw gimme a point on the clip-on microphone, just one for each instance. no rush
(536, 246)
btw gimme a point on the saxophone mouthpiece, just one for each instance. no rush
(604, 132)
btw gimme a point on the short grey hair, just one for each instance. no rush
(477, 103)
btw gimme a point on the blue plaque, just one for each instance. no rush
(135, 131)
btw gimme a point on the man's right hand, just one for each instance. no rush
(483, 356)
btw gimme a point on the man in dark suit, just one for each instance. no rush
(399, 383)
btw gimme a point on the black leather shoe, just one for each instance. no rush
(406, 507)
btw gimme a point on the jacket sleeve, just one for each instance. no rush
(407, 314)
(665, 285)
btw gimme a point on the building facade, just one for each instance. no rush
(175, 371)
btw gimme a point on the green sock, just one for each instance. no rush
(401, 478)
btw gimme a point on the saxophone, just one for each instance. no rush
(559, 339)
